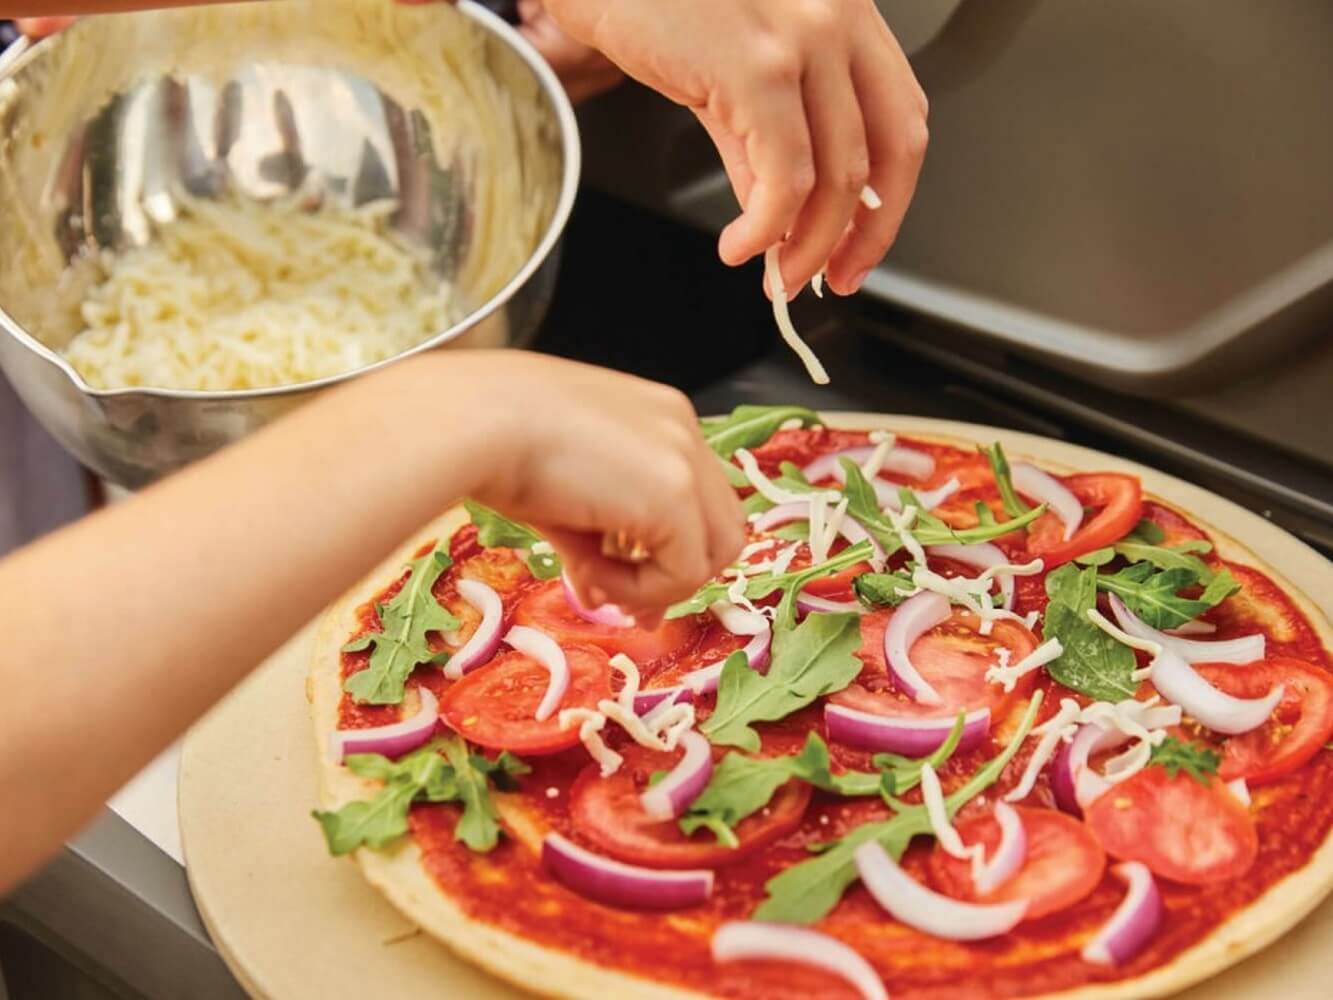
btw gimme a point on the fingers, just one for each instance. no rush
(896, 136)
(732, 151)
(40, 27)
(842, 167)
(777, 145)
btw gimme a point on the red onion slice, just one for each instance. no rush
(1181, 684)
(910, 902)
(646, 701)
(1134, 922)
(750, 940)
(1245, 649)
(810, 604)
(393, 740)
(618, 884)
(906, 735)
(1042, 487)
(671, 796)
(546, 651)
(983, 556)
(1010, 852)
(607, 614)
(1074, 783)
(914, 618)
(905, 461)
(704, 680)
(486, 639)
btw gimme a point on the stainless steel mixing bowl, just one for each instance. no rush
(105, 128)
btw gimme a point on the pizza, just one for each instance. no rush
(954, 724)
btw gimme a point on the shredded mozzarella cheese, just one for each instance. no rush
(630, 688)
(783, 561)
(1009, 675)
(1054, 731)
(773, 268)
(876, 460)
(766, 487)
(246, 295)
(902, 522)
(590, 725)
(932, 796)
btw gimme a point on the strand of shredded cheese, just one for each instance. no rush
(1008, 676)
(590, 725)
(773, 268)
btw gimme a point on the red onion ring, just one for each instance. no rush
(704, 680)
(1181, 684)
(910, 902)
(394, 739)
(983, 556)
(646, 701)
(1134, 922)
(905, 461)
(608, 614)
(1041, 486)
(618, 884)
(914, 618)
(811, 604)
(486, 639)
(907, 735)
(1245, 649)
(671, 797)
(546, 651)
(1010, 852)
(750, 940)
(1074, 784)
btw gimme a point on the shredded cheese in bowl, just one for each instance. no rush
(248, 295)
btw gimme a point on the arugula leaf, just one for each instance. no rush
(402, 642)
(1097, 557)
(899, 775)
(1013, 504)
(793, 473)
(785, 618)
(1149, 532)
(1093, 663)
(1154, 597)
(763, 584)
(494, 530)
(750, 426)
(813, 659)
(1195, 759)
(1180, 556)
(807, 892)
(757, 503)
(863, 507)
(422, 776)
(930, 530)
(795, 531)
(883, 590)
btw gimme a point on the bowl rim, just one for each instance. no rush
(18, 55)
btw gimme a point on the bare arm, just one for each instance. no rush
(124, 628)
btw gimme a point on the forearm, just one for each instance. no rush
(126, 627)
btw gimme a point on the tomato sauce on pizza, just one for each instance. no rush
(1057, 782)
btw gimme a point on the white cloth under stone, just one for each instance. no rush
(41, 486)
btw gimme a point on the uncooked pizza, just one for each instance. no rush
(952, 725)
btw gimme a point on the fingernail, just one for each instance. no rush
(858, 281)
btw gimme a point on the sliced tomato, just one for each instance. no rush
(547, 609)
(1180, 828)
(1064, 862)
(610, 816)
(1297, 729)
(953, 658)
(1118, 500)
(837, 587)
(972, 471)
(495, 706)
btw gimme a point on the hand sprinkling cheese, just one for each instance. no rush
(870, 200)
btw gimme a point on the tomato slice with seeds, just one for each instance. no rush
(1064, 862)
(495, 706)
(1298, 728)
(953, 658)
(546, 609)
(608, 814)
(1181, 828)
(1119, 502)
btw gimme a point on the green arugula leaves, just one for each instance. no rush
(750, 426)
(1153, 594)
(815, 658)
(807, 892)
(406, 620)
(494, 530)
(1195, 759)
(421, 776)
(883, 590)
(1004, 482)
(1093, 663)
(1144, 544)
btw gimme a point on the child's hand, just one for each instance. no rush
(807, 101)
(582, 453)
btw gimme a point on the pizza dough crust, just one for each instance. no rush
(550, 972)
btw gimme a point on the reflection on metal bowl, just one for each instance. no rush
(107, 129)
